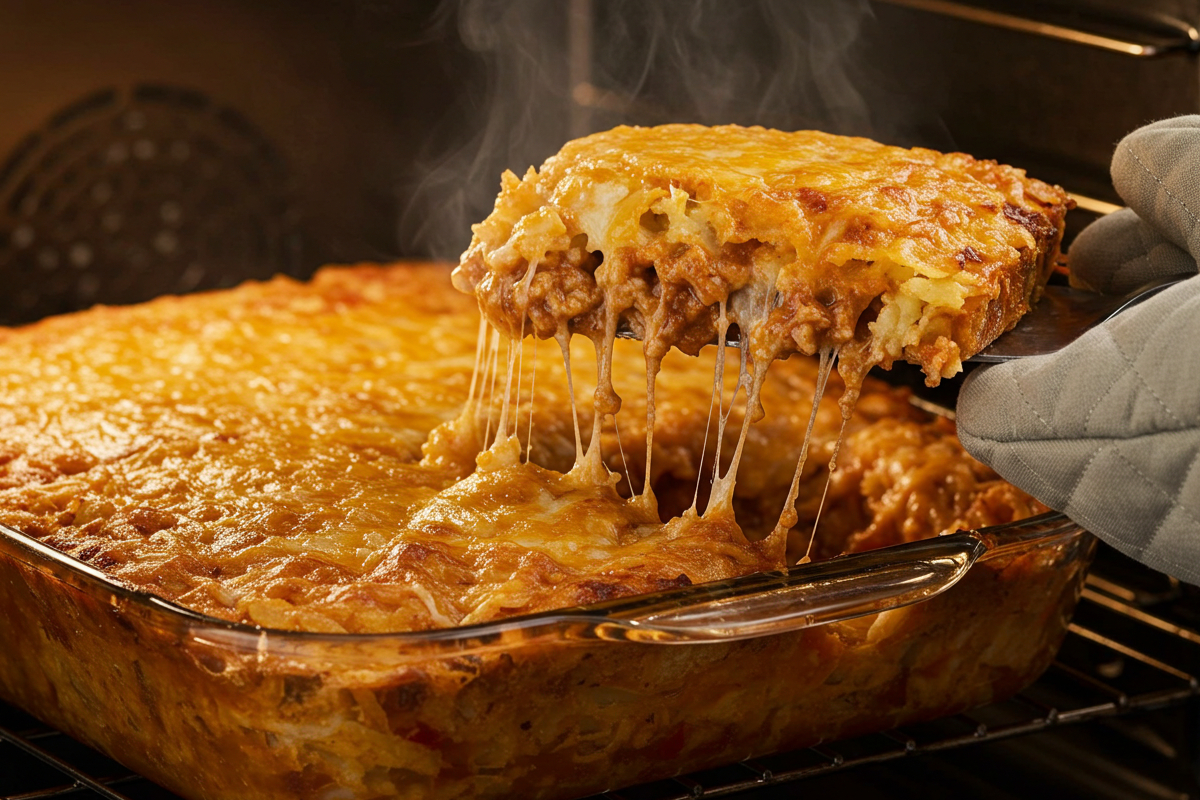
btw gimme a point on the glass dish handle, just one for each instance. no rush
(828, 591)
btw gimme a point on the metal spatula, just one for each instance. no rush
(1062, 316)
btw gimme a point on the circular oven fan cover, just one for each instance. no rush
(127, 195)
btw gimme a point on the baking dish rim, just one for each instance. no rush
(896, 576)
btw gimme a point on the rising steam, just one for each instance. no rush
(557, 70)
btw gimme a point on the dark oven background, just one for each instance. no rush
(150, 148)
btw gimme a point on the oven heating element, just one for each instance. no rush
(1133, 647)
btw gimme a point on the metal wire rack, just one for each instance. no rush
(1134, 647)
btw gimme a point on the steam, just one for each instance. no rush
(553, 70)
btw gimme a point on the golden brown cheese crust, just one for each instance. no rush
(811, 239)
(256, 454)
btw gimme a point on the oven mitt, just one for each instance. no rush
(1107, 430)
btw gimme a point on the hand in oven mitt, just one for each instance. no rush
(1107, 430)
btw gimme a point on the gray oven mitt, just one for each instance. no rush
(1107, 430)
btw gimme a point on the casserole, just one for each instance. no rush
(217, 547)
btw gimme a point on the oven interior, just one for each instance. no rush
(149, 149)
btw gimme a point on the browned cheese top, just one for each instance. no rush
(264, 454)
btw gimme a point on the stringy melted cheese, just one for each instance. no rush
(294, 456)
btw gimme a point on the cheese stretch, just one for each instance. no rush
(804, 242)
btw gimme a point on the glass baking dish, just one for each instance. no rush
(552, 705)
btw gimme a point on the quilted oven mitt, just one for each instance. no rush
(1107, 430)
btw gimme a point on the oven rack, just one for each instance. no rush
(1127, 651)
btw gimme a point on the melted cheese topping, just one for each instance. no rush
(293, 455)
